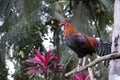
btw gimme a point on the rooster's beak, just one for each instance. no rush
(60, 24)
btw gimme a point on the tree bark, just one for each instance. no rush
(114, 73)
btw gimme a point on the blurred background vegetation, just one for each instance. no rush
(26, 24)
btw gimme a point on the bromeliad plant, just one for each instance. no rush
(80, 76)
(43, 64)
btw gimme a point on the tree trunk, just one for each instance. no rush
(114, 73)
(3, 70)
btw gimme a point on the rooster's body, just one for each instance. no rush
(83, 44)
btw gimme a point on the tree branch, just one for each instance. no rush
(96, 61)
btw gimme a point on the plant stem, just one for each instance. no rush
(45, 76)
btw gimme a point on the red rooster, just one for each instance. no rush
(83, 44)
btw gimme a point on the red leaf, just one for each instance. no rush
(34, 71)
(59, 64)
(87, 77)
(48, 57)
(80, 77)
(41, 57)
(76, 77)
(36, 60)
(55, 58)
(31, 68)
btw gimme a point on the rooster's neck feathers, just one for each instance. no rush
(69, 30)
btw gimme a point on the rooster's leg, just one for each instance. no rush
(79, 63)
(84, 60)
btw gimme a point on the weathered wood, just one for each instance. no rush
(114, 73)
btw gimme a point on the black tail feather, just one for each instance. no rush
(104, 49)
(106, 63)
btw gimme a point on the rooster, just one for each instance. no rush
(82, 44)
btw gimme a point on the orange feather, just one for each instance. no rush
(69, 30)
